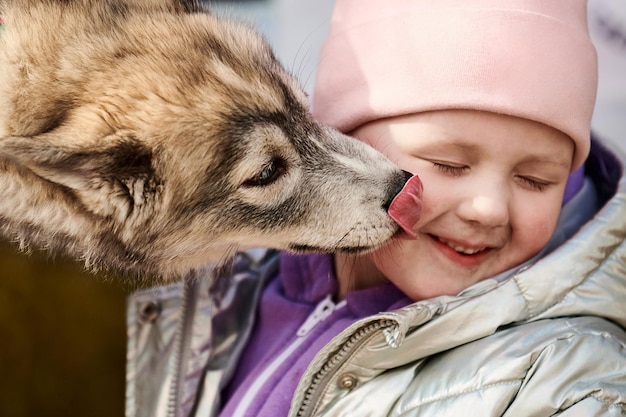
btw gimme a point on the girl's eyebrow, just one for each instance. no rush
(445, 145)
(548, 159)
(471, 149)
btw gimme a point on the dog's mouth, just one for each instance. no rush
(318, 249)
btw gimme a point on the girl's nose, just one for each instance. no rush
(487, 206)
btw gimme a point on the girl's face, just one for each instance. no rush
(493, 188)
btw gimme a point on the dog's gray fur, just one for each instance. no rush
(152, 137)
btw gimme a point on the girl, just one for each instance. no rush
(510, 298)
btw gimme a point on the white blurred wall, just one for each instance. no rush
(607, 24)
(295, 28)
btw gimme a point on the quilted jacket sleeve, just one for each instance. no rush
(581, 374)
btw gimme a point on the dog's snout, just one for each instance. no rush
(396, 187)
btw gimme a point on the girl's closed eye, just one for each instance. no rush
(458, 170)
(533, 184)
(449, 169)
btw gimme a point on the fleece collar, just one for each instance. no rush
(310, 278)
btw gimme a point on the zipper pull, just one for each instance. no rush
(324, 309)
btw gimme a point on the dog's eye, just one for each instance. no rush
(268, 175)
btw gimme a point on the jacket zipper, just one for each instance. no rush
(312, 394)
(325, 308)
(322, 311)
(180, 344)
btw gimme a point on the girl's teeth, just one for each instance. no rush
(461, 249)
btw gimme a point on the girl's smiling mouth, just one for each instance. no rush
(460, 248)
(461, 253)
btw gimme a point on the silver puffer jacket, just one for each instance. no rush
(550, 340)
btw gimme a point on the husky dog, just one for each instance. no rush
(153, 137)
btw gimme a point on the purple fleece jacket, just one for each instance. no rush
(287, 302)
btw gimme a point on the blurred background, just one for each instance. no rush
(62, 330)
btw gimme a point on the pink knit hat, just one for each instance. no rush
(526, 58)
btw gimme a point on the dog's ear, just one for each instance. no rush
(173, 6)
(190, 6)
(109, 180)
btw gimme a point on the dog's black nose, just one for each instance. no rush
(396, 187)
(407, 176)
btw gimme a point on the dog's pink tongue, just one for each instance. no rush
(406, 207)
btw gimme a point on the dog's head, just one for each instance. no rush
(181, 138)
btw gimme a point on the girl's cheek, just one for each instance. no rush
(433, 201)
(534, 225)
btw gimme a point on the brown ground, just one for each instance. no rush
(62, 339)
